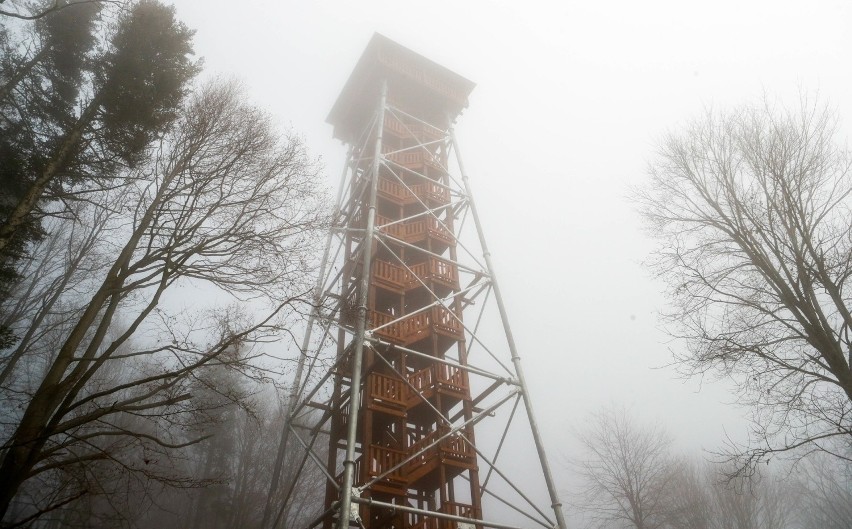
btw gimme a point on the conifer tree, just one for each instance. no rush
(74, 113)
(39, 88)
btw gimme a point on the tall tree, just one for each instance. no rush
(73, 110)
(752, 211)
(689, 503)
(39, 86)
(134, 88)
(226, 202)
(700, 496)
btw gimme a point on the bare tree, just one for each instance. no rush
(689, 502)
(760, 500)
(778, 503)
(752, 211)
(225, 202)
(701, 497)
(626, 471)
(47, 298)
(826, 484)
(736, 504)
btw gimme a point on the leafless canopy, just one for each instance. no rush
(752, 212)
(825, 486)
(631, 479)
(626, 471)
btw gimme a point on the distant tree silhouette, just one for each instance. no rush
(626, 471)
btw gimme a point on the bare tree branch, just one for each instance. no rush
(753, 212)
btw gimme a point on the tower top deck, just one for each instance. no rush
(415, 84)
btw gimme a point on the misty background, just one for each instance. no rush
(572, 100)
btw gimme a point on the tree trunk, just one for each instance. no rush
(21, 456)
(26, 445)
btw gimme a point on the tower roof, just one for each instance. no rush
(414, 82)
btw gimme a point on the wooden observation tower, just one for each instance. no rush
(397, 378)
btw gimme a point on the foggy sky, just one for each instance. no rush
(570, 102)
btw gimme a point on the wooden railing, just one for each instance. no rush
(457, 448)
(393, 190)
(391, 332)
(457, 509)
(413, 327)
(439, 231)
(410, 329)
(403, 130)
(394, 230)
(399, 277)
(424, 192)
(413, 158)
(453, 447)
(390, 273)
(414, 230)
(419, 270)
(433, 377)
(410, 157)
(422, 380)
(389, 389)
(423, 458)
(412, 129)
(404, 331)
(444, 272)
(432, 191)
(453, 377)
(382, 459)
(447, 323)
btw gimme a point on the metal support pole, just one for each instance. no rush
(516, 360)
(358, 353)
(297, 377)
